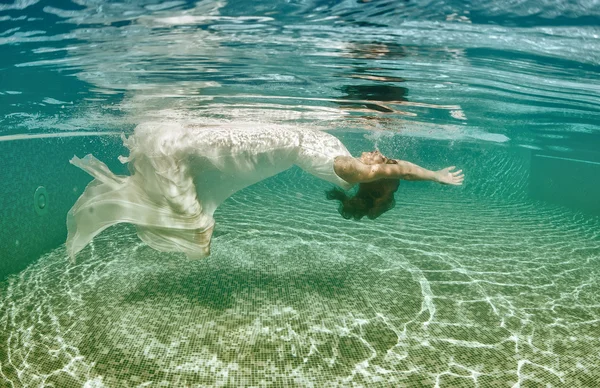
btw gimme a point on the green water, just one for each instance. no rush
(491, 284)
(445, 290)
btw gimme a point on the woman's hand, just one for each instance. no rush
(447, 177)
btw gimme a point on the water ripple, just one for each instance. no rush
(327, 64)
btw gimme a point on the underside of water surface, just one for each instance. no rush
(491, 284)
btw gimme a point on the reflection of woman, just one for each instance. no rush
(180, 174)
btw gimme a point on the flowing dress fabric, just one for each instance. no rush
(181, 173)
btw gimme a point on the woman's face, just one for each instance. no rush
(373, 157)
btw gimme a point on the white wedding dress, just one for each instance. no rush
(180, 174)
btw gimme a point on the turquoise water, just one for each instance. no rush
(492, 284)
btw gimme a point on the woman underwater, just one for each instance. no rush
(181, 173)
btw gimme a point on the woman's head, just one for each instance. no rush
(372, 198)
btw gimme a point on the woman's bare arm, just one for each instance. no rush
(354, 171)
(411, 172)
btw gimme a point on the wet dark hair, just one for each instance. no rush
(372, 199)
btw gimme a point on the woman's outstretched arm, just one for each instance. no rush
(411, 172)
(354, 171)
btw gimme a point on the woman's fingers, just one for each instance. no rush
(453, 177)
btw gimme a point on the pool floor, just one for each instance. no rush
(444, 290)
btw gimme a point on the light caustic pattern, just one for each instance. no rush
(443, 291)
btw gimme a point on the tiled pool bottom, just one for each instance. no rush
(442, 291)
